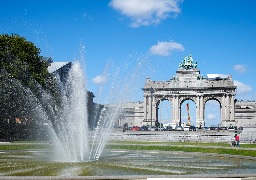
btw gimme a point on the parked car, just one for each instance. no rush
(153, 128)
(179, 128)
(185, 128)
(160, 128)
(135, 128)
(192, 128)
(144, 128)
(168, 128)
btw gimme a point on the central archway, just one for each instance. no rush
(188, 112)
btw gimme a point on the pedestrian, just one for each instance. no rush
(237, 139)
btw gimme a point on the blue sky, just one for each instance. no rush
(134, 39)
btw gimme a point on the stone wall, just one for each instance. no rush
(248, 135)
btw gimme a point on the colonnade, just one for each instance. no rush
(153, 99)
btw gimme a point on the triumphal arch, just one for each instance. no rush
(189, 84)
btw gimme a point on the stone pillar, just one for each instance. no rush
(175, 109)
(227, 104)
(232, 109)
(145, 104)
(171, 110)
(225, 110)
(201, 110)
(153, 109)
(197, 110)
(150, 110)
(222, 111)
(199, 119)
(178, 110)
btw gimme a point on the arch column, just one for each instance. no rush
(227, 102)
(232, 108)
(223, 112)
(227, 110)
(150, 109)
(154, 109)
(175, 110)
(146, 110)
(199, 111)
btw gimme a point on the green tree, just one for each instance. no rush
(22, 59)
(24, 80)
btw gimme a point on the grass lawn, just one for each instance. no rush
(219, 148)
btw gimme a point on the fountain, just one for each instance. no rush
(70, 132)
(70, 135)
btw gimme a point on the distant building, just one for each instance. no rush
(62, 69)
(130, 112)
(245, 113)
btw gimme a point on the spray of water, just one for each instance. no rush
(125, 83)
(68, 122)
(70, 129)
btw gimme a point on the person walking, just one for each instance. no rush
(237, 139)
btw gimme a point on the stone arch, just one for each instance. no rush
(190, 84)
(209, 98)
(182, 99)
(160, 98)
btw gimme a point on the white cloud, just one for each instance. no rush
(146, 12)
(240, 68)
(242, 88)
(165, 48)
(99, 79)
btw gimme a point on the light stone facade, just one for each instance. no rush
(133, 114)
(189, 84)
(245, 113)
(130, 112)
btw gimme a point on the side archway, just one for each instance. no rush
(164, 111)
(212, 111)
